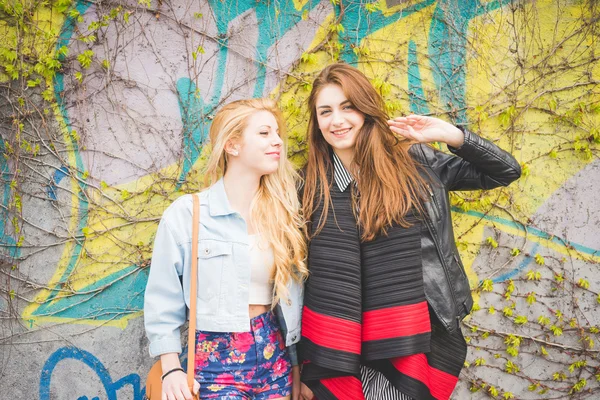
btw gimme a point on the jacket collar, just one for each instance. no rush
(218, 204)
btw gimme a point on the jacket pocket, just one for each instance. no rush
(213, 257)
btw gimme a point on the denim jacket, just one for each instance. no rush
(223, 275)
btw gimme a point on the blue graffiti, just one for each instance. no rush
(74, 353)
(7, 241)
(358, 23)
(82, 208)
(447, 47)
(115, 296)
(195, 124)
(416, 94)
(448, 50)
(58, 175)
(275, 20)
(531, 232)
(110, 387)
(522, 265)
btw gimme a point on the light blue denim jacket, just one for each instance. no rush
(223, 275)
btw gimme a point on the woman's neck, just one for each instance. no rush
(346, 156)
(241, 187)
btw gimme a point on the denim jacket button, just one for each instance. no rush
(207, 251)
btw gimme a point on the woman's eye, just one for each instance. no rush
(264, 133)
(348, 107)
(324, 112)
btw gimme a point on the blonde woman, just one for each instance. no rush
(250, 268)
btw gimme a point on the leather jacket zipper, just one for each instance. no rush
(445, 267)
(433, 202)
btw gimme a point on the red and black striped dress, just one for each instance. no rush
(366, 319)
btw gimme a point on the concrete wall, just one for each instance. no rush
(123, 137)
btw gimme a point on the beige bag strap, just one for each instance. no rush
(193, 294)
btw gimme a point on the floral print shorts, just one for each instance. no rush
(246, 365)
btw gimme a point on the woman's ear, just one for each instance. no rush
(232, 148)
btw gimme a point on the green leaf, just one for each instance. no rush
(558, 376)
(371, 7)
(556, 331)
(487, 285)
(583, 283)
(511, 367)
(85, 58)
(524, 169)
(520, 320)
(539, 259)
(492, 242)
(543, 320)
(533, 275)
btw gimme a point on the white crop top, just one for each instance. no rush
(261, 264)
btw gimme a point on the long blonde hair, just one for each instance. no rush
(275, 210)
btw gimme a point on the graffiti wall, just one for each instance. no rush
(105, 112)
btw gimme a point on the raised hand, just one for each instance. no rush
(422, 129)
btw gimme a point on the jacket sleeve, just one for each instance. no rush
(293, 355)
(480, 164)
(164, 303)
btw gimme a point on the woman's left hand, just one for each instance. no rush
(422, 129)
(296, 382)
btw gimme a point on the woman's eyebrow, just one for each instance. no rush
(341, 104)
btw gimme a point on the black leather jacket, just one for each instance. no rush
(480, 165)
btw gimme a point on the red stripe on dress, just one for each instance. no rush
(331, 332)
(344, 387)
(440, 383)
(394, 322)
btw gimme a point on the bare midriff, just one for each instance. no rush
(257, 309)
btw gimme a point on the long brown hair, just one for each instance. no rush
(389, 183)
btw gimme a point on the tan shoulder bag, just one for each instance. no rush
(154, 381)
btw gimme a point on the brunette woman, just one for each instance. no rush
(386, 290)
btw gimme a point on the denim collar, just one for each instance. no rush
(218, 204)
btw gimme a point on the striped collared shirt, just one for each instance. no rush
(342, 176)
(375, 384)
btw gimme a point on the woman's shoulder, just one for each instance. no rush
(420, 152)
(182, 206)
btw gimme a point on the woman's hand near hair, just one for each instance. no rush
(174, 385)
(422, 129)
